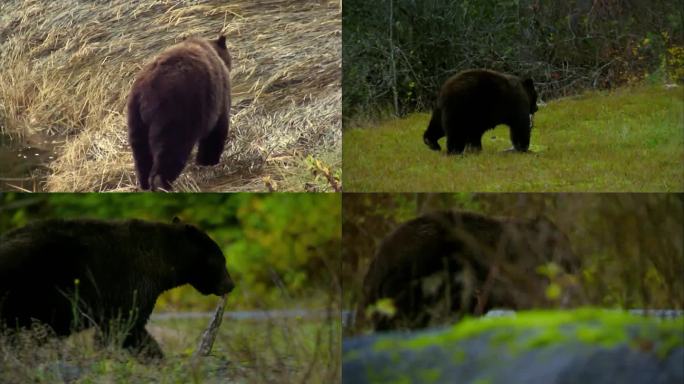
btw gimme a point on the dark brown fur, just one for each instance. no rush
(121, 268)
(474, 101)
(177, 100)
(442, 265)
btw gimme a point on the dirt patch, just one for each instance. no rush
(68, 66)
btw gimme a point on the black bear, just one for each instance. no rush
(445, 264)
(474, 101)
(110, 272)
(177, 100)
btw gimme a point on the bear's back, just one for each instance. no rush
(187, 81)
(189, 56)
(189, 65)
(476, 82)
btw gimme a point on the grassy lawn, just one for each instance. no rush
(630, 139)
(277, 350)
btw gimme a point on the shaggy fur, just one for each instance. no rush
(107, 270)
(442, 265)
(474, 101)
(179, 99)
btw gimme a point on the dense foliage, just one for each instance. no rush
(277, 246)
(398, 52)
(631, 246)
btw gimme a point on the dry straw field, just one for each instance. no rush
(66, 68)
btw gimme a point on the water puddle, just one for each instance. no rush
(24, 163)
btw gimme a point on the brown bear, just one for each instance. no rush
(78, 273)
(474, 101)
(443, 265)
(182, 97)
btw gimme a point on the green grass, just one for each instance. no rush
(631, 139)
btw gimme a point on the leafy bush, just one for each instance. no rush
(631, 246)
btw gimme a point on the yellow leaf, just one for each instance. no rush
(383, 307)
(553, 291)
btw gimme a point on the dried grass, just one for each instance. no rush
(67, 68)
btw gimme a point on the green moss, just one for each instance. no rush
(483, 381)
(502, 338)
(353, 354)
(600, 334)
(544, 337)
(545, 328)
(669, 340)
(395, 358)
(459, 356)
(384, 377)
(429, 375)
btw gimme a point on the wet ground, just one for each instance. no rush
(23, 163)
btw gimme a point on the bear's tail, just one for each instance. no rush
(434, 130)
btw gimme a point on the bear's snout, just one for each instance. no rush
(226, 286)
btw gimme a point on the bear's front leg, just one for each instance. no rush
(141, 343)
(434, 131)
(455, 144)
(520, 133)
(211, 147)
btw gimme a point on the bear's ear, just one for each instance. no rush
(221, 41)
(176, 220)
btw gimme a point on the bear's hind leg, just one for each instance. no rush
(169, 160)
(211, 147)
(138, 137)
(475, 143)
(141, 343)
(143, 163)
(166, 169)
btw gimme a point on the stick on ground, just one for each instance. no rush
(209, 334)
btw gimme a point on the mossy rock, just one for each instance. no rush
(580, 346)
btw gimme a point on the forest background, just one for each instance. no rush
(630, 246)
(397, 53)
(281, 249)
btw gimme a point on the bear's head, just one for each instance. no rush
(528, 85)
(430, 138)
(207, 268)
(220, 46)
(434, 131)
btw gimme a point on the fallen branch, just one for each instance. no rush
(209, 334)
